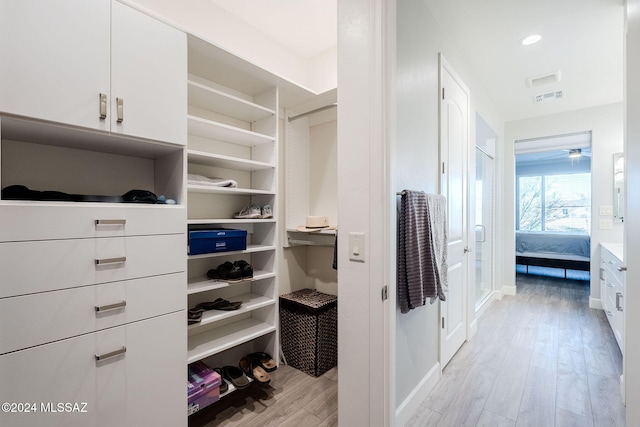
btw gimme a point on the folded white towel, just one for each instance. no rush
(216, 182)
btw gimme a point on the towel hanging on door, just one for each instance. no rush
(422, 249)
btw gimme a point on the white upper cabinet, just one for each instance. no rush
(60, 57)
(148, 75)
(55, 59)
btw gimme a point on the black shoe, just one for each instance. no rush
(226, 271)
(245, 269)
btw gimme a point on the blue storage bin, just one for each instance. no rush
(216, 240)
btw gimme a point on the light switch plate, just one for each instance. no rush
(356, 246)
(606, 210)
(606, 224)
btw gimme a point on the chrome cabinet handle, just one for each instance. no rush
(111, 260)
(609, 285)
(119, 110)
(609, 313)
(621, 268)
(111, 222)
(601, 273)
(114, 353)
(467, 249)
(103, 106)
(618, 298)
(107, 307)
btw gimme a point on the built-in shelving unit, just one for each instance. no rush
(233, 135)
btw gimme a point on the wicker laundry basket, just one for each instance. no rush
(309, 330)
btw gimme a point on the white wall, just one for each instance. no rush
(221, 28)
(415, 166)
(605, 123)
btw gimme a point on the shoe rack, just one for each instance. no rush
(232, 134)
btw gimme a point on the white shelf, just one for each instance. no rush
(203, 284)
(207, 189)
(206, 221)
(250, 302)
(250, 249)
(220, 339)
(222, 132)
(212, 99)
(226, 162)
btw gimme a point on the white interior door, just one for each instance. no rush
(454, 143)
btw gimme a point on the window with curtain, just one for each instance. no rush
(553, 183)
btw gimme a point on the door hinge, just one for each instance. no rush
(443, 323)
(442, 93)
(385, 293)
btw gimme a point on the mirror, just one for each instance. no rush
(618, 186)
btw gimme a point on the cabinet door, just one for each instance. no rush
(55, 59)
(149, 76)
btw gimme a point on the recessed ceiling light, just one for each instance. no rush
(531, 39)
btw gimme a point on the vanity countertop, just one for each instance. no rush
(617, 249)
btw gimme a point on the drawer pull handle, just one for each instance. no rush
(601, 273)
(114, 306)
(609, 313)
(114, 353)
(111, 222)
(111, 260)
(618, 298)
(103, 106)
(621, 268)
(119, 110)
(609, 285)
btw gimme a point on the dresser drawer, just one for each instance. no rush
(39, 266)
(47, 221)
(30, 320)
(121, 390)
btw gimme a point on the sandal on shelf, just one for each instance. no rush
(219, 304)
(265, 361)
(252, 368)
(194, 315)
(224, 387)
(235, 376)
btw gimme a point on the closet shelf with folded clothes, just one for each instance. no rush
(221, 161)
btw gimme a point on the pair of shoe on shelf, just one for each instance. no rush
(254, 212)
(232, 272)
(254, 365)
(194, 315)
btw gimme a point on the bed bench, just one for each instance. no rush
(557, 250)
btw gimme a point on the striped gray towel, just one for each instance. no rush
(421, 249)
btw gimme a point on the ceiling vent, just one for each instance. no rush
(550, 96)
(544, 79)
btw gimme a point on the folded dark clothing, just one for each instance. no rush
(21, 192)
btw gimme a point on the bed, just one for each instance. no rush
(557, 250)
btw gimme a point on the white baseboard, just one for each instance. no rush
(410, 405)
(595, 303)
(509, 290)
(473, 328)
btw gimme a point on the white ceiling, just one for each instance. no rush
(304, 27)
(581, 38)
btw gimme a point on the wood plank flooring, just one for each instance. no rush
(541, 358)
(292, 399)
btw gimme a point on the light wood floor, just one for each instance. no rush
(541, 358)
(292, 399)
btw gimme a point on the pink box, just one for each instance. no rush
(203, 386)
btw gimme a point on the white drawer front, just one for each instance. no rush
(39, 266)
(30, 320)
(36, 221)
(117, 391)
